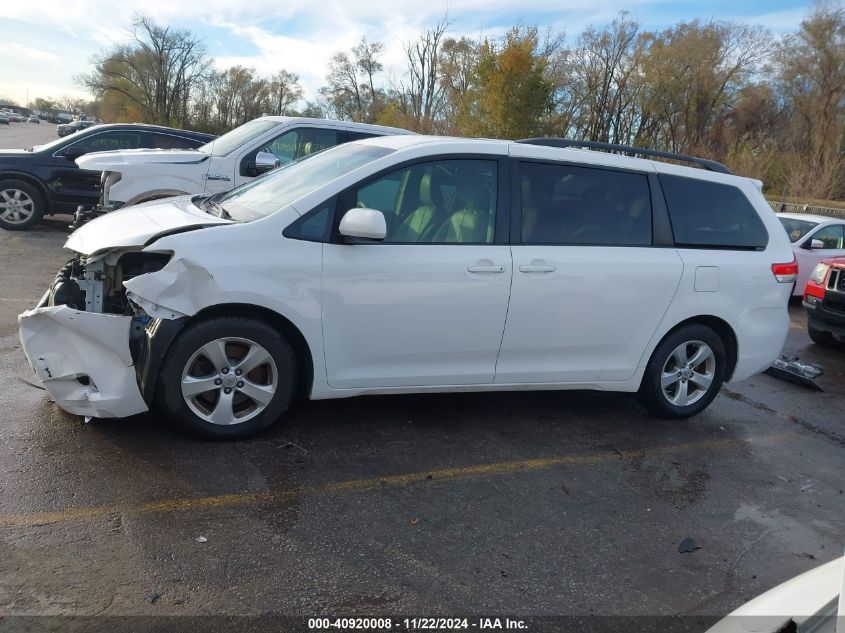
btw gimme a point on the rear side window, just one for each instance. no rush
(563, 204)
(168, 141)
(708, 214)
(358, 135)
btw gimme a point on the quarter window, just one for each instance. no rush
(439, 202)
(563, 204)
(313, 226)
(712, 214)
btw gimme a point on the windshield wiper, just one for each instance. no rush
(214, 208)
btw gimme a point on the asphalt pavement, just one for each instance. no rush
(569, 503)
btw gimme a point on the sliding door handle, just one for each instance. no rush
(537, 268)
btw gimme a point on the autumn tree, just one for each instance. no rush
(693, 73)
(458, 65)
(811, 75)
(514, 95)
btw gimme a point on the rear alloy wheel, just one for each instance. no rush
(228, 377)
(684, 374)
(21, 205)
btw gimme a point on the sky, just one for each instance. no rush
(49, 42)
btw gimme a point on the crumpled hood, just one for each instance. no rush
(135, 225)
(114, 159)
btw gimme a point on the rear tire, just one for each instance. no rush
(227, 378)
(21, 205)
(684, 374)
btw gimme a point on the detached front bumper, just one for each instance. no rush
(83, 360)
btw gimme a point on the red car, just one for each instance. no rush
(824, 300)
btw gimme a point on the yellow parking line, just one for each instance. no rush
(362, 485)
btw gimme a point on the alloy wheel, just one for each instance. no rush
(229, 380)
(16, 206)
(688, 373)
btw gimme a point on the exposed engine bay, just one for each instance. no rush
(95, 284)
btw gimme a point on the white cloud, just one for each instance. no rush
(301, 35)
(22, 51)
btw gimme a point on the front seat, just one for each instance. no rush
(418, 224)
(472, 223)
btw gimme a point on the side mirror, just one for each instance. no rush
(265, 161)
(366, 224)
(816, 244)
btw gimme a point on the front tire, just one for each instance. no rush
(227, 378)
(820, 337)
(21, 205)
(684, 374)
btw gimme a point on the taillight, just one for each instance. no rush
(786, 273)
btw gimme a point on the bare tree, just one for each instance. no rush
(286, 90)
(156, 71)
(421, 96)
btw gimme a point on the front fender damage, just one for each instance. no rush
(181, 288)
(83, 360)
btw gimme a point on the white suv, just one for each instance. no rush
(139, 175)
(407, 264)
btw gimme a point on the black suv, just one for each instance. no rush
(45, 179)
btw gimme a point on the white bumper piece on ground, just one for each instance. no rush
(68, 348)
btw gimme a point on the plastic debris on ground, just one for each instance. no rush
(688, 545)
(793, 370)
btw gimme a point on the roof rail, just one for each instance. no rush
(710, 165)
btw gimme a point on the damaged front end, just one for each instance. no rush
(88, 342)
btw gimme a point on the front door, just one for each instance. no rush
(427, 305)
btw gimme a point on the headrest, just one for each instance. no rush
(426, 198)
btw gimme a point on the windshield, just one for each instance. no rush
(796, 229)
(284, 185)
(231, 141)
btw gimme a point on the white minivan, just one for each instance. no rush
(406, 264)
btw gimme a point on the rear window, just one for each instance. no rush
(796, 229)
(708, 214)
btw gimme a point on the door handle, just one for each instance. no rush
(485, 269)
(537, 268)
